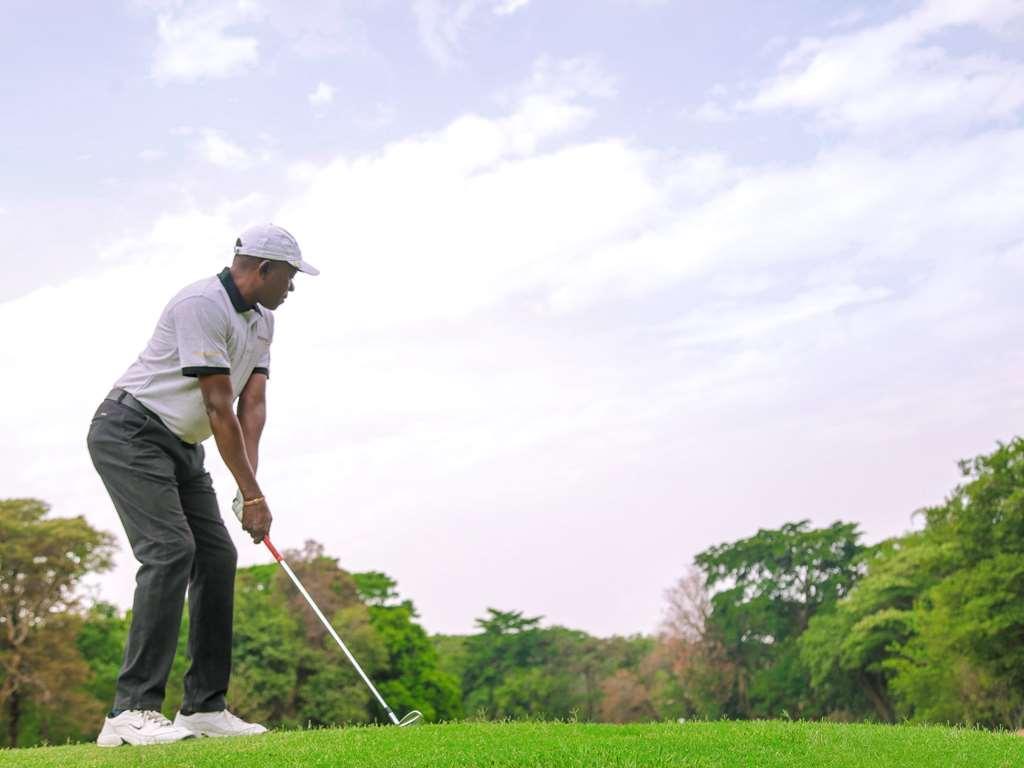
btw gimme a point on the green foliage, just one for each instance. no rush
(42, 673)
(101, 643)
(508, 641)
(289, 671)
(513, 668)
(985, 515)
(376, 588)
(935, 631)
(850, 650)
(963, 656)
(769, 586)
(452, 654)
(412, 678)
(266, 648)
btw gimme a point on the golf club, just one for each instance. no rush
(413, 717)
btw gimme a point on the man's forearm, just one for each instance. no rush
(233, 447)
(252, 417)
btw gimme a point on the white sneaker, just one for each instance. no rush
(136, 726)
(221, 723)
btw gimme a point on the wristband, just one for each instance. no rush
(250, 502)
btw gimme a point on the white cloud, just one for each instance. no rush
(442, 23)
(846, 204)
(440, 26)
(317, 29)
(744, 321)
(151, 155)
(895, 75)
(381, 116)
(200, 39)
(848, 19)
(454, 190)
(552, 101)
(697, 176)
(712, 112)
(322, 95)
(568, 80)
(217, 149)
(506, 7)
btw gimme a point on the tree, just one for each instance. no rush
(964, 660)
(702, 679)
(849, 650)
(101, 642)
(769, 586)
(331, 586)
(517, 669)
(625, 699)
(289, 671)
(935, 630)
(412, 677)
(41, 564)
(452, 653)
(982, 523)
(376, 588)
(328, 690)
(508, 641)
(267, 645)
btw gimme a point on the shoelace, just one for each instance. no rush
(155, 717)
(233, 719)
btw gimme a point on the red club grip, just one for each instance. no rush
(273, 549)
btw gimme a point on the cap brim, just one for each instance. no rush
(303, 266)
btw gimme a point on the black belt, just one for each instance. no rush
(126, 399)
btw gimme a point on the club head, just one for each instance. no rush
(413, 718)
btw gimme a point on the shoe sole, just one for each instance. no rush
(205, 735)
(113, 740)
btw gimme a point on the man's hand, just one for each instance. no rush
(256, 520)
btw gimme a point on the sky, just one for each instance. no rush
(603, 284)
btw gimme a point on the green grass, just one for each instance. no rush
(718, 744)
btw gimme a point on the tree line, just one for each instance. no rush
(794, 622)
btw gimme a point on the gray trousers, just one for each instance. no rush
(166, 502)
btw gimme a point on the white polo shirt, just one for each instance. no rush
(206, 328)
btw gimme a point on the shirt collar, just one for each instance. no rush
(234, 294)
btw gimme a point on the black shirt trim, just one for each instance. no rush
(234, 294)
(261, 369)
(203, 370)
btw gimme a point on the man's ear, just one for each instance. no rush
(264, 268)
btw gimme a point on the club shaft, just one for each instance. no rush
(329, 628)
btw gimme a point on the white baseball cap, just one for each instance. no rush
(267, 241)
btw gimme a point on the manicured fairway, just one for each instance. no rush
(739, 745)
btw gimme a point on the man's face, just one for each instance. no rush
(276, 283)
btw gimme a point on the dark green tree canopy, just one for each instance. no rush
(376, 588)
(774, 581)
(42, 561)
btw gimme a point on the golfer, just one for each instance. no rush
(210, 348)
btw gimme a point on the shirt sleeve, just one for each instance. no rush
(201, 329)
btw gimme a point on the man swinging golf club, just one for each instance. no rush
(211, 346)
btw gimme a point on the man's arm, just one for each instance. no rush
(252, 415)
(231, 442)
